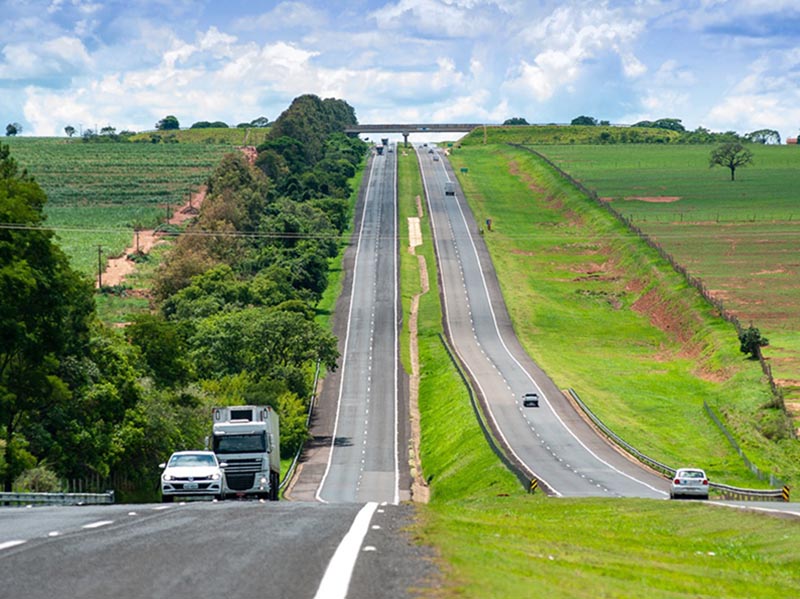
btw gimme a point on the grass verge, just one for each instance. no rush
(494, 540)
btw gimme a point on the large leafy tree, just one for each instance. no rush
(168, 123)
(764, 136)
(45, 311)
(731, 155)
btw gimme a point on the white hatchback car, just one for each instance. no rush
(191, 473)
(689, 482)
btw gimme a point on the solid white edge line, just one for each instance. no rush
(768, 510)
(10, 544)
(336, 580)
(396, 494)
(346, 340)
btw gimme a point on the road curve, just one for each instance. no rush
(551, 443)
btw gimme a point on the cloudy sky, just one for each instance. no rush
(721, 64)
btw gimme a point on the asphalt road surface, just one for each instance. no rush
(550, 443)
(208, 550)
(363, 462)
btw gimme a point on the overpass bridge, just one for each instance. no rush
(408, 129)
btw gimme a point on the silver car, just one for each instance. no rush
(689, 482)
(191, 473)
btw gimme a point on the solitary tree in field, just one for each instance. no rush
(751, 342)
(13, 129)
(69, 130)
(731, 155)
(517, 120)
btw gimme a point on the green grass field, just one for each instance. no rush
(494, 540)
(742, 238)
(98, 192)
(606, 316)
(251, 136)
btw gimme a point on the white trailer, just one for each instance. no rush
(246, 440)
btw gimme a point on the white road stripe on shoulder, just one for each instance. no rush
(10, 544)
(337, 576)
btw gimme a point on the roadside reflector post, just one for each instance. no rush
(534, 485)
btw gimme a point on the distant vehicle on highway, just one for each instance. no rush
(689, 482)
(449, 188)
(530, 400)
(436, 157)
(190, 474)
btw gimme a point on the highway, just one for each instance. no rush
(207, 549)
(362, 462)
(550, 443)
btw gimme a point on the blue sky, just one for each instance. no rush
(720, 64)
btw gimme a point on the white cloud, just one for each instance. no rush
(286, 15)
(443, 18)
(52, 58)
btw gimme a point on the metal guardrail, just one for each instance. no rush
(312, 402)
(728, 491)
(57, 498)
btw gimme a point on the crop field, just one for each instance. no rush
(98, 192)
(742, 237)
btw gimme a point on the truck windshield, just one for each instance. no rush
(255, 442)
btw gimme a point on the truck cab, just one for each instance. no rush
(246, 440)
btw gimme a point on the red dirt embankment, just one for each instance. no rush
(119, 268)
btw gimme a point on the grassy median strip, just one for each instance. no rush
(495, 540)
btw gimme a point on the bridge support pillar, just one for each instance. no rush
(405, 139)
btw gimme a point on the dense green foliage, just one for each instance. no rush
(235, 320)
(63, 384)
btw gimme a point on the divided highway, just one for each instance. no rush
(550, 443)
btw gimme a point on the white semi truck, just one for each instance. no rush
(246, 441)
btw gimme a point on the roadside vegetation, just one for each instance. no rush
(234, 317)
(495, 540)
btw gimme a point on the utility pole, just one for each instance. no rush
(99, 266)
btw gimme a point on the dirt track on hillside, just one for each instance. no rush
(143, 242)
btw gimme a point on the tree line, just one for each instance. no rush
(233, 319)
(701, 135)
